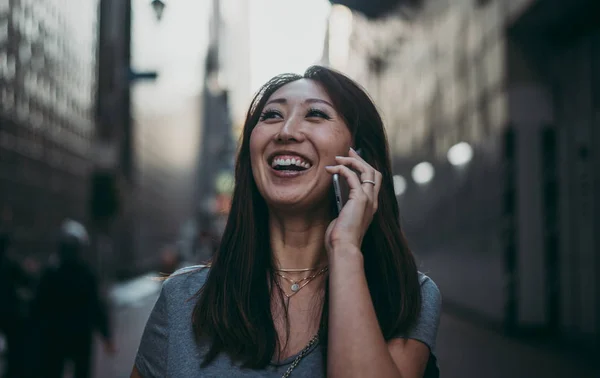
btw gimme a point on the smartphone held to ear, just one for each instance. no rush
(341, 189)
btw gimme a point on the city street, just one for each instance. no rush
(128, 143)
(464, 350)
(132, 303)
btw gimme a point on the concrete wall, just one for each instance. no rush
(554, 85)
(576, 68)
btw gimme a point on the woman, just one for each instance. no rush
(294, 288)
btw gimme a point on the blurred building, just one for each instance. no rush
(225, 76)
(111, 213)
(88, 131)
(166, 123)
(506, 222)
(47, 123)
(234, 50)
(258, 39)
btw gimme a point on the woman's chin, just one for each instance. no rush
(301, 196)
(296, 204)
(285, 202)
(290, 202)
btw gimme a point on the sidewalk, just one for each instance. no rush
(131, 302)
(469, 351)
(133, 291)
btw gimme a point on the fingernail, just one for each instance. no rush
(339, 157)
(329, 166)
(352, 149)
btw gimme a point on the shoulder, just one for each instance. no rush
(430, 292)
(426, 325)
(186, 281)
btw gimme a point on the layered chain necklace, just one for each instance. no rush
(300, 356)
(297, 285)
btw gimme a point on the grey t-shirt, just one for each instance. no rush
(168, 347)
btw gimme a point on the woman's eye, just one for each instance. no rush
(317, 113)
(270, 114)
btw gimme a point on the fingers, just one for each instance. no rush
(358, 191)
(370, 178)
(351, 177)
(365, 171)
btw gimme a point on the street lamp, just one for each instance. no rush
(460, 154)
(423, 173)
(159, 8)
(399, 185)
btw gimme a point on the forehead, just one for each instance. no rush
(301, 90)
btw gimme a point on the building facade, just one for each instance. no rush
(47, 119)
(508, 235)
(166, 124)
(225, 90)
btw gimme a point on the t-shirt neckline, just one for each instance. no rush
(291, 359)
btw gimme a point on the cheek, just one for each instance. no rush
(257, 143)
(339, 141)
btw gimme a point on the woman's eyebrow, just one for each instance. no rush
(307, 101)
(317, 100)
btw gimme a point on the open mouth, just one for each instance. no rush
(286, 163)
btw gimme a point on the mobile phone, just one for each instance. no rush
(341, 189)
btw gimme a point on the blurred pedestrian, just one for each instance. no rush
(170, 259)
(12, 309)
(68, 309)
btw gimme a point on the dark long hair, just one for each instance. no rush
(233, 310)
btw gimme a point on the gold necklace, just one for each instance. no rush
(295, 270)
(297, 285)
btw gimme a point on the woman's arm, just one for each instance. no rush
(356, 346)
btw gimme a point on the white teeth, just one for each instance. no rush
(287, 162)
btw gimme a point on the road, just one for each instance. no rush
(464, 350)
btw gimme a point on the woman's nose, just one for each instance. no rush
(291, 131)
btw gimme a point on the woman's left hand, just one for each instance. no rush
(349, 228)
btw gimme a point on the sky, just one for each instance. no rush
(285, 36)
(167, 111)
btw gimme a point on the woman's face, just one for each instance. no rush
(298, 134)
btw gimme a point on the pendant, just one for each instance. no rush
(295, 287)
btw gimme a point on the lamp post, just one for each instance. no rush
(113, 177)
(159, 8)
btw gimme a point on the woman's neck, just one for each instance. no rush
(298, 242)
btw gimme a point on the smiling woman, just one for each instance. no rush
(293, 289)
(298, 124)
